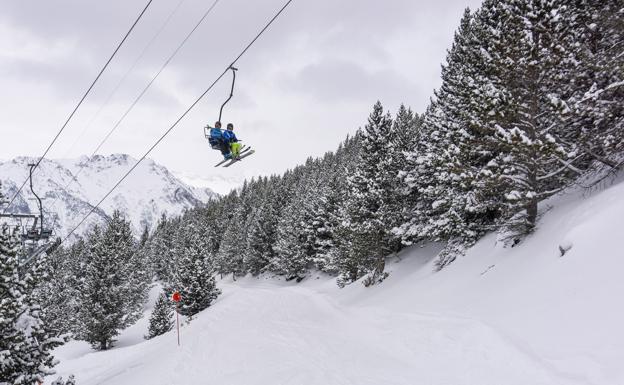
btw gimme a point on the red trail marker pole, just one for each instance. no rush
(176, 297)
(178, 323)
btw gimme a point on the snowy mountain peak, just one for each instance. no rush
(68, 187)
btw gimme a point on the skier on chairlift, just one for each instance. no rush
(216, 139)
(225, 140)
(232, 140)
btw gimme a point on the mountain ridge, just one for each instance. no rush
(69, 188)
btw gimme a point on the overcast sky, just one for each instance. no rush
(307, 83)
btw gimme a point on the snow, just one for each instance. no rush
(150, 191)
(522, 315)
(513, 195)
(217, 183)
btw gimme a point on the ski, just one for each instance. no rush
(239, 158)
(244, 150)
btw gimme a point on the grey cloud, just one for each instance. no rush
(332, 81)
(318, 54)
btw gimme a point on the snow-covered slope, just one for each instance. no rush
(150, 191)
(525, 315)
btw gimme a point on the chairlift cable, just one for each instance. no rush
(141, 94)
(125, 76)
(80, 102)
(232, 64)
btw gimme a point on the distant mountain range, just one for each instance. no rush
(143, 197)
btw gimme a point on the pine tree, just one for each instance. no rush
(593, 80)
(59, 292)
(114, 290)
(291, 258)
(193, 276)
(138, 281)
(368, 189)
(160, 248)
(230, 257)
(294, 246)
(339, 257)
(323, 212)
(101, 300)
(533, 160)
(161, 319)
(493, 143)
(451, 156)
(405, 136)
(262, 230)
(144, 237)
(24, 344)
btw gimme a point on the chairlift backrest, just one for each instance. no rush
(216, 138)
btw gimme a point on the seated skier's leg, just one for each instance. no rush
(225, 150)
(235, 149)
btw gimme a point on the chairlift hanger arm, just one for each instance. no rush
(234, 69)
(32, 167)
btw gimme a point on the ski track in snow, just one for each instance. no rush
(272, 334)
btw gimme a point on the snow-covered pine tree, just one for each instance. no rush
(593, 80)
(329, 193)
(533, 161)
(369, 241)
(329, 185)
(134, 270)
(101, 303)
(442, 171)
(59, 292)
(193, 273)
(52, 288)
(408, 134)
(416, 184)
(209, 223)
(346, 263)
(230, 257)
(112, 297)
(160, 248)
(247, 213)
(262, 231)
(144, 237)
(161, 319)
(336, 257)
(404, 139)
(138, 282)
(293, 246)
(24, 344)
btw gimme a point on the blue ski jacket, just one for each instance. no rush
(229, 137)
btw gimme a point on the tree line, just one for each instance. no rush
(531, 103)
